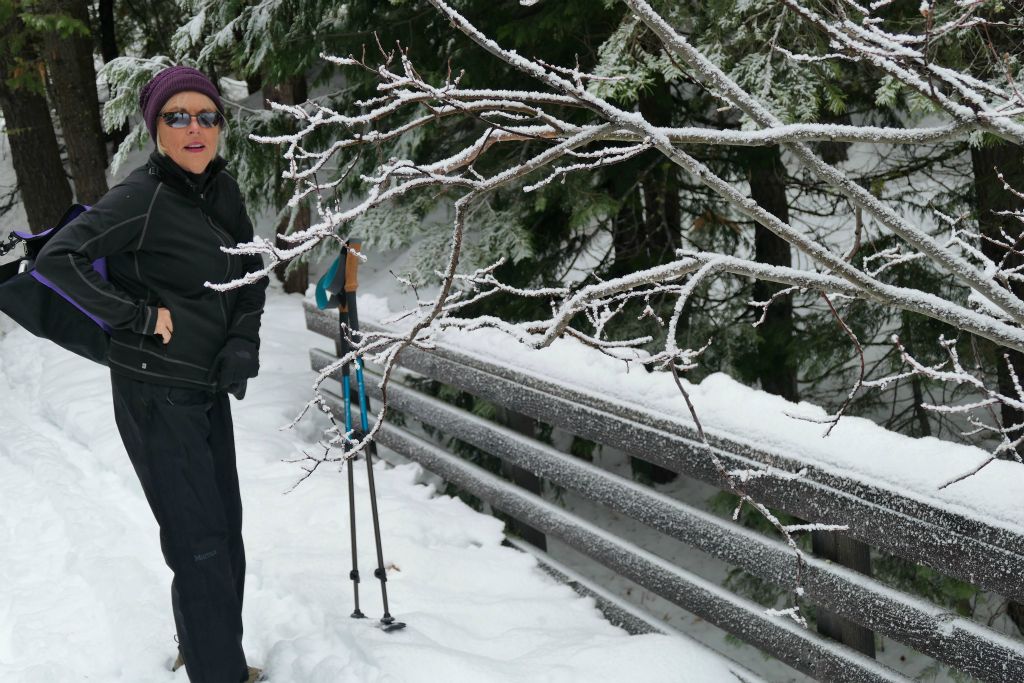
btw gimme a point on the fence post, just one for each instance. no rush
(521, 477)
(856, 555)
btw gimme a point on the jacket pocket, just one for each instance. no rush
(188, 398)
(198, 333)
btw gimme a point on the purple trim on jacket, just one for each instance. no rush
(100, 266)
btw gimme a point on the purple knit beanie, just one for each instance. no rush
(169, 83)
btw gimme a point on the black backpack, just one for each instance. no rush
(41, 307)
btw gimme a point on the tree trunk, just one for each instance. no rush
(110, 51)
(916, 385)
(73, 89)
(108, 35)
(775, 365)
(627, 228)
(296, 280)
(848, 552)
(648, 234)
(522, 477)
(42, 182)
(834, 152)
(254, 82)
(991, 197)
(647, 230)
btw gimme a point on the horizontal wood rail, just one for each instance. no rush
(959, 545)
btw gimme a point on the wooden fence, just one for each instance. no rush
(986, 555)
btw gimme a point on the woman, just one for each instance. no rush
(176, 350)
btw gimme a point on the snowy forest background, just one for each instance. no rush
(612, 218)
(595, 172)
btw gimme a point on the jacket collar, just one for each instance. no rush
(169, 172)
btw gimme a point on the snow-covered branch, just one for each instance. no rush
(988, 106)
(565, 128)
(709, 73)
(616, 135)
(980, 413)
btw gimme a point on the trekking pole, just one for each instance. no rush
(343, 347)
(387, 622)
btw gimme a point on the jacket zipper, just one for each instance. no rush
(221, 235)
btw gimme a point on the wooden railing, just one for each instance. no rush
(988, 556)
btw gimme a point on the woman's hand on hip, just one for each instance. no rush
(164, 325)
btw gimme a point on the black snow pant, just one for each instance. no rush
(181, 444)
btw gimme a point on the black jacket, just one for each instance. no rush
(162, 230)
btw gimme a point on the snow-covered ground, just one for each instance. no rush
(84, 593)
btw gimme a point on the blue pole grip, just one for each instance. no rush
(346, 392)
(363, 421)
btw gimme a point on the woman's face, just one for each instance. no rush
(192, 147)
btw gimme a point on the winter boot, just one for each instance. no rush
(254, 673)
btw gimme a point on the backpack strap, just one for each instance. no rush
(34, 243)
(13, 240)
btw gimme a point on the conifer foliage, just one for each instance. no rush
(854, 249)
(795, 181)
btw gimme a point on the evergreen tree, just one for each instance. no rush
(644, 209)
(67, 48)
(42, 182)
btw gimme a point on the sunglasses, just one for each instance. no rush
(181, 119)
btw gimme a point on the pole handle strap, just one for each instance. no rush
(341, 277)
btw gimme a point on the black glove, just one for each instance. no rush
(237, 362)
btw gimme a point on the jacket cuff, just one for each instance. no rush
(245, 333)
(237, 340)
(145, 320)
